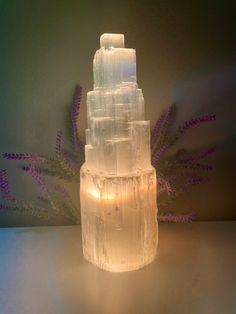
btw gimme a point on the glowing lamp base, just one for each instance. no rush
(119, 219)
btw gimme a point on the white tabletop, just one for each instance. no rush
(42, 271)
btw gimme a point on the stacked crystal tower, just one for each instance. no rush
(118, 183)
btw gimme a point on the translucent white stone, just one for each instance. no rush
(118, 183)
(141, 143)
(119, 225)
(112, 40)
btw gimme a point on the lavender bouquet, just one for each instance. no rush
(175, 171)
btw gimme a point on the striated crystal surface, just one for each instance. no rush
(118, 183)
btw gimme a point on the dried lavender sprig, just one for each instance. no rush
(187, 179)
(58, 145)
(61, 190)
(39, 178)
(164, 144)
(158, 135)
(195, 121)
(180, 218)
(74, 112)
(197, 166)
(160, 149)
(164, 186)
(61, 168)
(22, 156)
(4, 207)
(4, 185)
(179, 184)
(158, 154)
(179, 161)
(164, 200)
(71, 158)
(27, 209)
(156, 129)
(196, 180)
(198, 155)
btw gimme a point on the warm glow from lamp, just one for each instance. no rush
(97, 195)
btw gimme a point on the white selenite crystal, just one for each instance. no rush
(118, 183)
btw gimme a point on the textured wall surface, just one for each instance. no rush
(185, 52)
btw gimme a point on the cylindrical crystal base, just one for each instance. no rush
(119, 219)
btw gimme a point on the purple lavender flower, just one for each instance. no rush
(4, 185)
(158, 154)
(182, 218)
(4, 207)
(196, 166)
(161, 139)
(195, 121)
(58, 145)
(162, 123)
(74, 112)
(199, 154)
(196, 180)
(188, 179)
(156, 129)
(21, 156)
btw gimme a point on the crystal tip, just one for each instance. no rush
(112, 41)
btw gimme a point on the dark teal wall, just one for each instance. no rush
(185, 53)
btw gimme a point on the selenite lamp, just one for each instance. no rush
(117, 180)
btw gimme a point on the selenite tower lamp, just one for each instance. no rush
(118, 182)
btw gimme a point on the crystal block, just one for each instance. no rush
(112, 40)
(119, 225)
(141, 143)
(114, 66)
(117, 156)
(118, 183)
